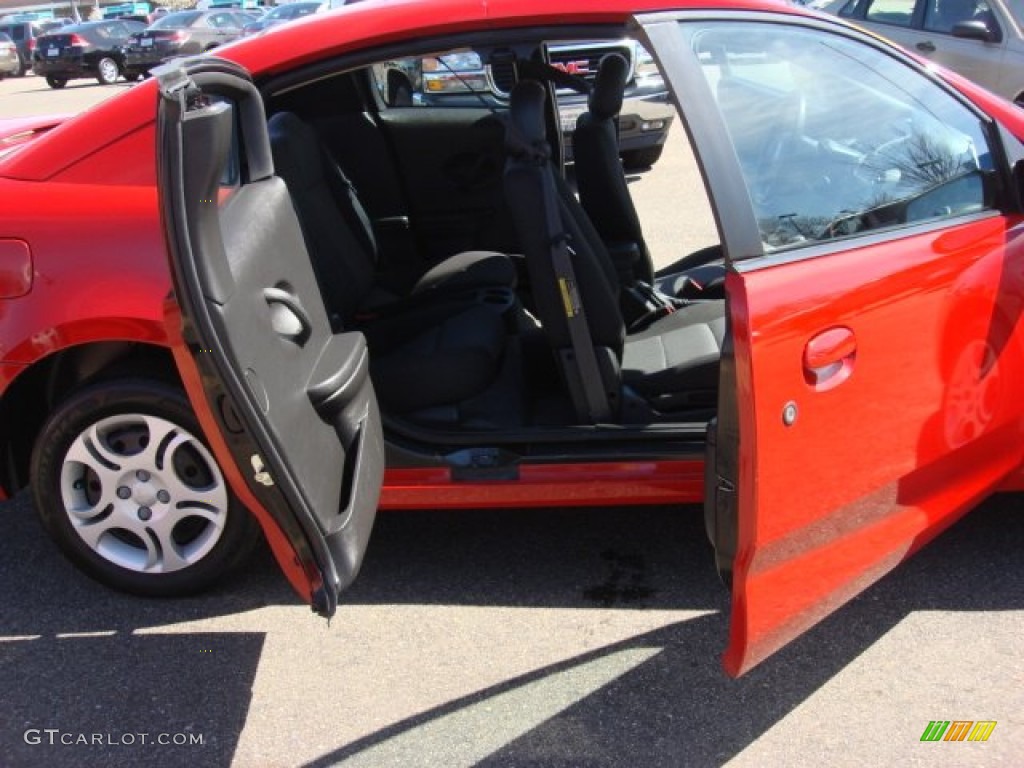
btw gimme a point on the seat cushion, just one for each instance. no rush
(469, 270)
(444, 362)
(678, 356)
(704, 281)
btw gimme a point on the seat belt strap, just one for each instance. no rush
(586, 365)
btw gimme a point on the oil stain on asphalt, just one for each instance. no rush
(627, 580)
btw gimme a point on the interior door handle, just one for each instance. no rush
(287, 316)
(926, 46)
(829, 357)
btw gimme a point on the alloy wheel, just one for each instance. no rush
(143, 493)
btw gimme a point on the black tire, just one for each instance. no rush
(23, 68)
(107, 71)
(132, 77)
(636, 159)
(109, 424)
(56, 82)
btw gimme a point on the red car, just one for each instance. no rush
(841, 396)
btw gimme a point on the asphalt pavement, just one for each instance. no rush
(536, 638)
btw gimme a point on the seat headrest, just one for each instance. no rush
(526, 112)
(609, 86)
(296, 149)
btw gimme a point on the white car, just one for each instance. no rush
(980, 39)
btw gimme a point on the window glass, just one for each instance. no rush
(942, 15)
(455, 78)
(898, 12)
(834, 137)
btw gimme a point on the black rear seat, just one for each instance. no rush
(341, 239)
(436, 346)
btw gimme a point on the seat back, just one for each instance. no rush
(600, 179)
(542, 213)
(341, 252)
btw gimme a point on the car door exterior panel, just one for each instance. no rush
(874, 303)
(840, 484)
(291, 400)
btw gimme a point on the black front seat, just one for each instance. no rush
(604, 192)
(600, 180)
(669, 366)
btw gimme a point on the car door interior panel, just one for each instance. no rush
(261, 333)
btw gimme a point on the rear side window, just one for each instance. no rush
(943, 15)
(898, 12)
(456, 78)
(221, 21)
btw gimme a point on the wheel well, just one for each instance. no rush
(32, 396)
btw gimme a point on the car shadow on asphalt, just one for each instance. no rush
(83, 681)
(677, 702)
(78, 657)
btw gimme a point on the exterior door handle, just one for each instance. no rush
(926, 46)
(829, 357)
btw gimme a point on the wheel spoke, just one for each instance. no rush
(216, 518)
(165, 552)
(92, 450)
(75, 479)
(91, 533)
(164, 440)
(86, 513)
(184, 496)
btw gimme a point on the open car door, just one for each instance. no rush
(869, 384)
(287, 405)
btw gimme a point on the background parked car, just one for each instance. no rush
(10, 64)
(24, 34)
(980, 39)
(283, 13)
(90, 49)
(179, 34)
